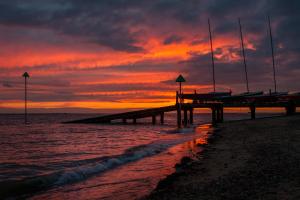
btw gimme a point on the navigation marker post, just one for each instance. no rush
(25, 75)
(179, 80)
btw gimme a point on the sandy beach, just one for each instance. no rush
(252, 159)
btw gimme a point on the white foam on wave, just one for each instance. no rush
(186, 130)
(86, 171)
(90, 167)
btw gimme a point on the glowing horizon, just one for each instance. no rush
(116, 60)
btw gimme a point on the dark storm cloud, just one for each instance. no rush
(115, 24)
(7, 85)
(11, 15)
(49, 81)
(119, 87)
(88, 92)
(231, 74)
(109, 22)
(227, 8)
(173, 39)
(284, 15)
(138, 67)
(104, 22)
(181, 10)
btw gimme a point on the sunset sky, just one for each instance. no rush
(118, 54)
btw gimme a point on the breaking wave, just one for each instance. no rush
(81, 170)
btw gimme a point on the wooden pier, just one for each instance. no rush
(216, 102)
(131, 116)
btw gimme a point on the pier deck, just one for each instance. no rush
(134, 115)
(216, 103)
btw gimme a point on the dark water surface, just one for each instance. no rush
(50, 160)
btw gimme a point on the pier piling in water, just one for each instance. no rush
(162, 118)
(290, 108)
(178, 116)
(220, 114)
(216, 102)
(153, 119)
(252, 110)
(213, 115)
(191, 116)
(217, 115)
(185, 118)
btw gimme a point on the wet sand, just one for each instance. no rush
(257, 159)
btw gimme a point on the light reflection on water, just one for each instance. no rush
(93, 161)
(129, 181)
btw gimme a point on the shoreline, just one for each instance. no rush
(244, 159)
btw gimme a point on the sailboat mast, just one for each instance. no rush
(273, 59)
(212, 56)
(244, 56)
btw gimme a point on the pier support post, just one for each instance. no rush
(134, 120)
(191, 115)
(153, 119)
(185, 119)
(252, 110)
(221, 114)
(124, 120)
(290, 108)
(162, 118)
(218, 115)
(179, 115)
(195, 98)
(213, 115)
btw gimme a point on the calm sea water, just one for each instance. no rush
(50, 160)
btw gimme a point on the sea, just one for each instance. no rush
(47, 159)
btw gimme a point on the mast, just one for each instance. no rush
(212, 56)
(244, 56)
(273, 57)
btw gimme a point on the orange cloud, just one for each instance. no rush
(87, 104)
(61, 60)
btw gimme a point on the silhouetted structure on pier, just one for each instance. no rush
(218, 101)
(214, 101)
